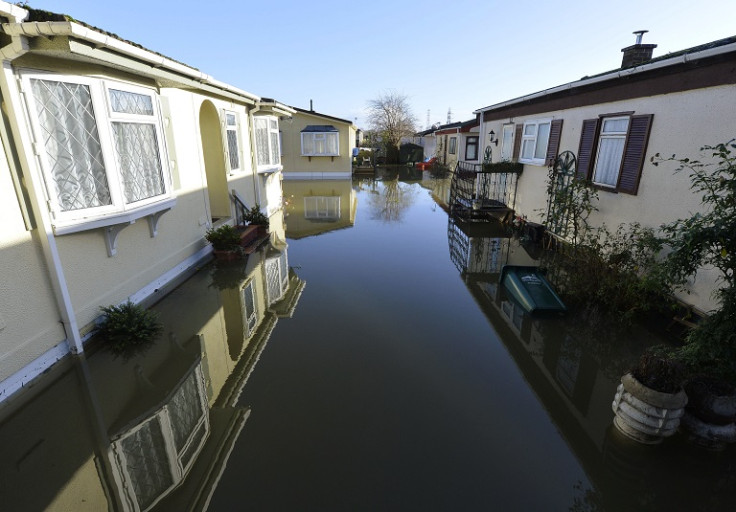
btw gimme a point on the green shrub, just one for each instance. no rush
(128, 328)
(224, 238)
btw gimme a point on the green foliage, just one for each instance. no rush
(255, 216)
(570, 205)
(128, 328)
(708, 239)
(617, 273)
(224, 238)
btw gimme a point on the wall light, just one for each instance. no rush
(493, 139)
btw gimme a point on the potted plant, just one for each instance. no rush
(650, 400)
(256, 217)
(225, 241)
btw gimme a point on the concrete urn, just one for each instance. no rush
(644, 414)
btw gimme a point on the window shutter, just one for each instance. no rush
(586, 152)
(517, 141)
(633, 160)
(553, 145)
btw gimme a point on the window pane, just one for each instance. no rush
(262, 141)
(540, 150)
(527, 149)
(615, 125)
(530, 129)
(275, 153)
(185, 411)
(232, 149)
(610, 151)
(72, 144)
(308, 143)
(136, 146)
(147, 462)
(230, 119)
(131, 103)
(332, 144)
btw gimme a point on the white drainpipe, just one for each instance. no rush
(254, 153)
(15, 106)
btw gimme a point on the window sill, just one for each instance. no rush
(115, 223)
(269, 169)
(538, 163)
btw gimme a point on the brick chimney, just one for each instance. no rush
(637, 53)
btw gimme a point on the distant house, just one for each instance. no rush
(452, 143)
(116, 162)
(317, 146)
(614, 123)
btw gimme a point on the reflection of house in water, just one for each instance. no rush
(439, 183)
(154, 431)
(573, 367)
(318, 206)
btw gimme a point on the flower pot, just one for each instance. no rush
(646, 415)
(710, 416)
(227, 255)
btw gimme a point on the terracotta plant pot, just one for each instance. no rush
(646, 415)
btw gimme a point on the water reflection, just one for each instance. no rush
(314, 207)
(574, 364)
(154, 431)
(389, 199)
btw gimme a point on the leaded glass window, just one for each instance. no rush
(231, 125)
(136, 147)
(72, 144)
(103, 145)
(268, 152)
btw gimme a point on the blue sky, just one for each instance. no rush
(457, 54)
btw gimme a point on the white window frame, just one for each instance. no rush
(177, 468)
(104, 116)
(452, 146)
(322, 207)
(321, 136)
(232, 128)
(270, 166)
(602, 136)
(530, 137)
(250, 318)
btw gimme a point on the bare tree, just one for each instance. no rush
(390, 116)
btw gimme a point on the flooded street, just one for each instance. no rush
(369, 363)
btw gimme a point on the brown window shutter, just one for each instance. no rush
(553, 146)
(586, 152)
(517, 141)
(633, 160)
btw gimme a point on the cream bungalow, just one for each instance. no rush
(116, 162)
(317, 146)
(457, 142)
(614, 123)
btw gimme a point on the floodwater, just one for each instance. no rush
(367, 362)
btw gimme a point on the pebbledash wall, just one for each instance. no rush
(689, 101)
(66, 250)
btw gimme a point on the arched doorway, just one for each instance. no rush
(214, 161)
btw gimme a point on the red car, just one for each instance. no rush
(426, 165)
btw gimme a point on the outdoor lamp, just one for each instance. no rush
(493, 139)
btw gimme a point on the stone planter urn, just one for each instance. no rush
(644, 414)
(710, 416)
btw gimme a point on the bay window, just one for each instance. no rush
(320, 141)
(268, 152)
(101, 146)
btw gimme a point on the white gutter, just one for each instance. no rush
(680, 59)
(100, 40)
